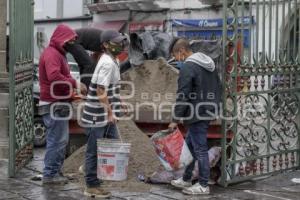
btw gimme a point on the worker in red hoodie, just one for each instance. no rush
(56, 88)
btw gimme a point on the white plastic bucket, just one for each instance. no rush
(112, 156)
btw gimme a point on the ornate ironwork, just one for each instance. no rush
(260, 98)
(20, 83)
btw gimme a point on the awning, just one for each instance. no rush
(136, 5)
(109, 25)
(146, 26)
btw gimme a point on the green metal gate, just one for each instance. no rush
(20, 83)
(261, 84)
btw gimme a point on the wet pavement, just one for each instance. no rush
(277, 187)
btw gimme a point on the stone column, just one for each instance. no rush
(3, 35)
(4, 102)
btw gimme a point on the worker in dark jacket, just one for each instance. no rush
(88, 39)
(196, 105)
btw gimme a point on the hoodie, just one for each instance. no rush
(202, 60)
(199, 88)
(54, 71)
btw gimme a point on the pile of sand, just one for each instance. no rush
(142, 160)
(154, 82)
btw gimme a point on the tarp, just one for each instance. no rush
(148, 46)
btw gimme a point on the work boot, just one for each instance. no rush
(96, 192)
(180, 183)
(57, 180)
(196, 189)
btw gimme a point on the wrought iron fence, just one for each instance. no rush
(20, 83)
(261, 85)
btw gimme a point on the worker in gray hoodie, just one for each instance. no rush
(197, 104)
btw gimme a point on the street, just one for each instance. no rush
(269, 188)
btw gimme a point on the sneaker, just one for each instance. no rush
(96, 193)
(58, 180)
(180, 183)
(196, 189)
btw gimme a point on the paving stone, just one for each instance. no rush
(7, 195)
(126, 194)
(145, 196)
(168, 193)
(68, 187)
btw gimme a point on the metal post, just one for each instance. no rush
(224, 100)
(12, 58)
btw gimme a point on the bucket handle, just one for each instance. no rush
(118, 130)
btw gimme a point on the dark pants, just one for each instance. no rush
(197, 142)
(93, 134)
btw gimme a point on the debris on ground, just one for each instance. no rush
(296, 180)
(38, 177)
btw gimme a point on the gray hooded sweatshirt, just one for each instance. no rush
(198, 84)
(202, 60)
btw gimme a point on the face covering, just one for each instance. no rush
(180, 64)
(115, 49)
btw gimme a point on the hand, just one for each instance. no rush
(173, 126)
(83, 89)
(111, 118)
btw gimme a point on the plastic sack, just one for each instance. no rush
(164, 176)
(171, 149)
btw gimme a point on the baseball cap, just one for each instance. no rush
(113, 36)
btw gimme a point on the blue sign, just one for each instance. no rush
(207, 34)
(209, 23)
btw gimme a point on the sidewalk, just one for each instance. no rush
(22, 187)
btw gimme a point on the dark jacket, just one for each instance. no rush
(87, 39)
(53, 67)
(198, 87)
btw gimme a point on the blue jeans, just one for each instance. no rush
(57, 139)
(93, 134)
(197, 142)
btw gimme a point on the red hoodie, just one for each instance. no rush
(53, 67)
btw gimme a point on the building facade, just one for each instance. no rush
(196, 19)
(49, 13)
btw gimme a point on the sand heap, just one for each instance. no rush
(142, 160)
(154, 82)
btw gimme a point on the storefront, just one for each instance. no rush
(209, 28)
